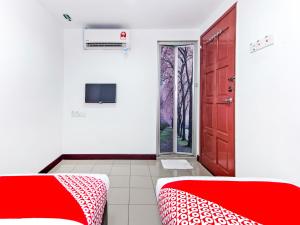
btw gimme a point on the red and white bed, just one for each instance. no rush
(60, 199)
(220, 200)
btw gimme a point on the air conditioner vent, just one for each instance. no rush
(105, 44)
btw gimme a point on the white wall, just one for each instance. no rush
(129, 126)
(267, 91)
(31, 79)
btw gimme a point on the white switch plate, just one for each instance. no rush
(267, 41)
(77, 114)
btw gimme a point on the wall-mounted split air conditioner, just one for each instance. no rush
(106, 39)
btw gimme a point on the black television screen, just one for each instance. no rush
(100, 93)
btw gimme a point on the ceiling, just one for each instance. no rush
(132, 14)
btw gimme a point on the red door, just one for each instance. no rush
(218, 96)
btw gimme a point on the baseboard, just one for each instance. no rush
(97, 156)
(109, 156)
(52, 165)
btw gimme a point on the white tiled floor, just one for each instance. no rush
(131, 198)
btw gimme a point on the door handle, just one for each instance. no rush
(227, 101)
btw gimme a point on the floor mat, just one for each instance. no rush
(176, 164)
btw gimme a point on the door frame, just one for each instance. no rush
(195, 96)
(233, 7)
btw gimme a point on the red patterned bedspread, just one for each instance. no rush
(191, 202)
(72, 197)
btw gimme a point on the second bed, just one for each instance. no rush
(221, 200)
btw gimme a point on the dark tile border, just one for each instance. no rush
(108, 156)
(52, 165)
(97, 156)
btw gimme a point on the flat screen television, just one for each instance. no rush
(100, 93)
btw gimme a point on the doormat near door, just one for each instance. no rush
(176, 164)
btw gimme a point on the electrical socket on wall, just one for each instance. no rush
(267, 41)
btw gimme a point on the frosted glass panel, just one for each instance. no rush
(167, 65)
(185, 99)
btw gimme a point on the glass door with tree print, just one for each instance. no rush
(176, 99)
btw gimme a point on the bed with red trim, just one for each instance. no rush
(220, 200)
(60, 199)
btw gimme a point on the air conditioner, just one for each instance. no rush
(106, 39)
